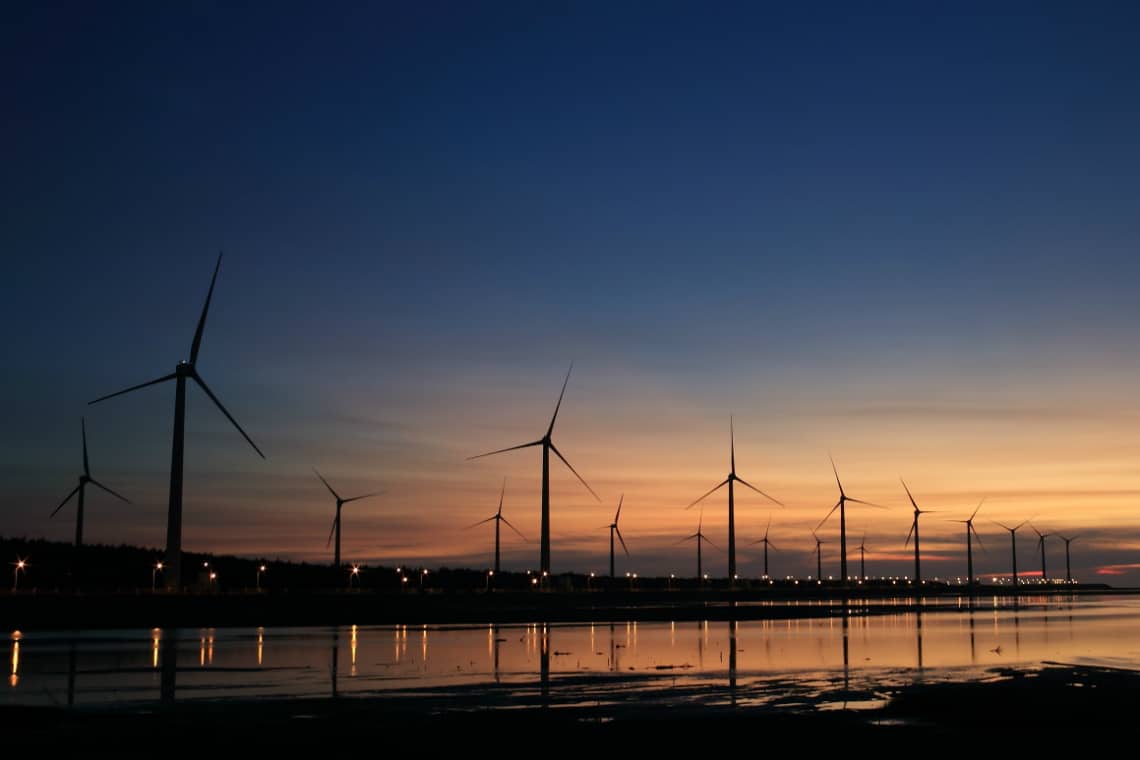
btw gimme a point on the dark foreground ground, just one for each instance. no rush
(1056, 705)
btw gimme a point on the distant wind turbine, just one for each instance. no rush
(340, 502)
(701, 537)
(863, 557)
(84, 479)
(1012, 546)
(1041, 544)
(1068, 570)
(818, 556)
(841, 505)
(914, 532)
(615, 530)
(729, 481)
(499, 519)
(969, 523)
(547, 444)
(185, 370)
(766, 543)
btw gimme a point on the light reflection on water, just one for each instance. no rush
(747, 662)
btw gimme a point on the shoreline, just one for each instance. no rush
(48, 611)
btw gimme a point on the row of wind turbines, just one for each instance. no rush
(187, 370)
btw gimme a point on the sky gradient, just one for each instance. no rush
(902, 236)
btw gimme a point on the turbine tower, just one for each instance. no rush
(185, 370)
(1068, 568)
(841, 505)
(547, 444)
(863, 557)
(499, 519)
(700, 536)
(336, 520)
(970, 544)
(1013, 547)
(615, 530)
(1041, 545)
(766, 543)
(80, 489)
(914, 532)
(818, 556)
(730, 481)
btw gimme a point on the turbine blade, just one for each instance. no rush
(162, 379)
(829, 514)
(205, 309)
(365, 496)
(910, 532)
(836, 471)
(332, 531)
(768, 527)
(686, 538)
(571, 467)
(516, 530)
(732, 445)
(867, 503)
(86, 466)
(558, 406)
(322, 477)
(757, 490)
(907, 493)
(620, 500)
(202, 384)
(772, 546)
(502, 493)
(978, 537)
(708, 493)
(97, 484)
(509, 448)
(476, 525)
(978, 507)
(622, 541)
(710, 543)
(65, 500)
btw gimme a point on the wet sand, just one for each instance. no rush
(1026, 706)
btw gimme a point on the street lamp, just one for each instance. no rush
(260, 570)
(671, 577)
(213, 578)
(423, 574)
(154, 571)
(490, 573)
(354, 573)
(20, 565)
(590, 582)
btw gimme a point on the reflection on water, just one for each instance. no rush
(744, 662)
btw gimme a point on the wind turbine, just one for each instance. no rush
(970, 544)
(614, 529)
(766, 543)
(336, 520)
(1012, 546)
(841, 505)
(185, 370)
(1041, 544)
(547, 445)
(499, 519)
(1068, 571)
(84, 479)
(700, 536)
(863, 557)
(914, 532)
(818, 556)
(729, 481)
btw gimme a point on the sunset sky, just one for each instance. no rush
(904, 237)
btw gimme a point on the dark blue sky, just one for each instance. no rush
(429, 206)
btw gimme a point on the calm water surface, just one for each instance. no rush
(812, 662)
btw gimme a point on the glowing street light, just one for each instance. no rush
(213, 579)
(260, 570)
(590, 582)
(354, 573)
(423, 574)
(20, 565)
(154, 571)
(490, 574)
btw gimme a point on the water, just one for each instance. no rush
(817, 663)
